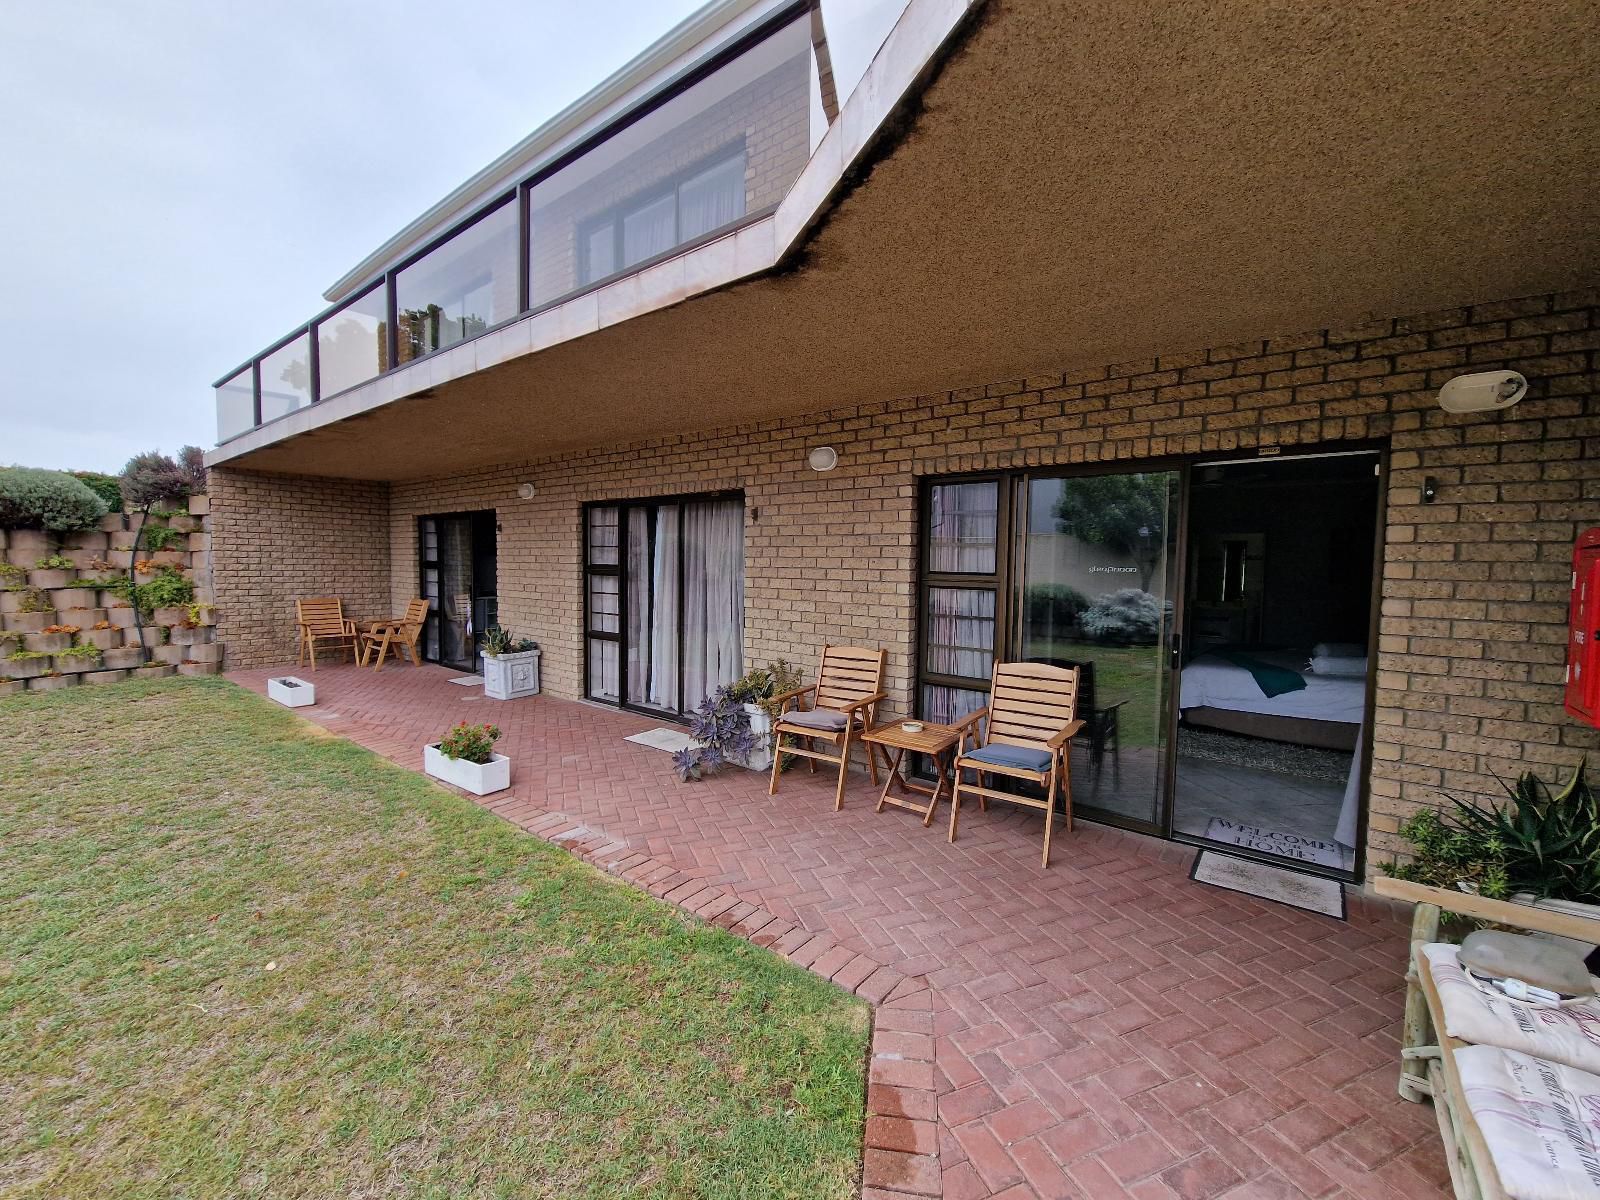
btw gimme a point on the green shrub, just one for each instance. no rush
(1544, 843)
(159, 537)
(107, 487)
(34, 499)
(1128, 617)
(1052, 608)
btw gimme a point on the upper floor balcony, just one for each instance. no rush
(687, 156)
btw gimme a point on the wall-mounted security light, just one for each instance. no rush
(527, 491)
(1482, 391)
(823, 458)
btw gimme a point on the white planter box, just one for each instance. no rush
(478, 778)
(760, 759)
(291, 692)
(511, 676)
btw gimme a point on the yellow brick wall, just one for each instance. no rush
(1474, 586)
(276, 539)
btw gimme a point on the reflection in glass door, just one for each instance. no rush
(456, 553)
(1073, 571)
(1095, 555)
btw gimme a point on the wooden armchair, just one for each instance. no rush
(401, 634)
(844, 703)
(1031, 718)
(321, 621)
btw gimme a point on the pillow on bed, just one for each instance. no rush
(1326, 664)
(1338, 650)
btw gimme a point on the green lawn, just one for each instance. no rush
(241, 958)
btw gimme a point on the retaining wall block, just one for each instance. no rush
(31, 622)
(51, 683)
(102, 639)
(122, 539)
(123, 657)
(26, 668)
(86, 539)
(11, 687)
(200, 635)
(199, 505)
(49, 580)
(75, 664)
(104, 676)
(46, 643)
(156, 670)
(113, 523)
(210, 653)
(34, 541)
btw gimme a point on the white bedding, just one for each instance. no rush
(1213, 682)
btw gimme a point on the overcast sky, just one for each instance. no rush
(180, 181)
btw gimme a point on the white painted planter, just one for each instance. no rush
(760, 759)
(480, 779)
(511, 676)
(291, 692)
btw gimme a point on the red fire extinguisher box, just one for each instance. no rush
(1583, 630)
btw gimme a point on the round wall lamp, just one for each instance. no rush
(527, 491)
(823, 458)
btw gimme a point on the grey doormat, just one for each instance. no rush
(1310, 892)
(662, 738)
(1276, 841)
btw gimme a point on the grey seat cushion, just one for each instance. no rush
(825, 719)
(1021, 757)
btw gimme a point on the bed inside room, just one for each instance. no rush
(1273, 687)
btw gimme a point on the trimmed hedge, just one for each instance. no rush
(107, 487)
(31, 498)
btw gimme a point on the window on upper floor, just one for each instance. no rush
(707, 197)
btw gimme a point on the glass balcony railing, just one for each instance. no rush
(713, 149)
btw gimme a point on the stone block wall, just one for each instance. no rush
(1474, 585)
(279, 538)
(59, 626)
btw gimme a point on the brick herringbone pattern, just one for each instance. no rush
(1105, 1028)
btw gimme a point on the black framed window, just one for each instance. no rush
(686, 206)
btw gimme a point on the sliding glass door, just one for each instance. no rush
(1096, 555)
(1067, 570)
(664, 594)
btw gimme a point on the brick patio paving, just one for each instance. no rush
(1105, 1028)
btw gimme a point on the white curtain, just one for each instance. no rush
(664, 612)
(961, 632)
(639, 619)
(713, 626)
(649, 231)
(712, 198)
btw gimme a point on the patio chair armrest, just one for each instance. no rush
(1070, 731)
(782, 700)
(968, 726)
(864, 702)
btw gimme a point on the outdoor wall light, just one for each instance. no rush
(1484, 391)
(527, 491)
(823, 458)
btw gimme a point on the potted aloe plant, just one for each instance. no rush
(465, 757)
(510, 665)
(1542, 848)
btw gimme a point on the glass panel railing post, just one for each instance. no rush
(391, 342)
(255, 394)
(316, 364)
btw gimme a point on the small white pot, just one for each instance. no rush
(759, 759)
(481, 779)
(291, 692)
(510, 676)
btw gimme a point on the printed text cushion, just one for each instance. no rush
(1569, 1035)
(1540, 1121)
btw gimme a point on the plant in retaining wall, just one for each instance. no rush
(158, 537)
(34, 601)
(35, 499)
(168, 588)
(55, 562)
(11, 575)
(73, 629)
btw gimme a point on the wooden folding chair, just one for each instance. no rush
(1031, 719)
(844, 703)
(321, 620)
(401, 634)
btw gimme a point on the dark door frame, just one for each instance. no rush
(1007, 581)
(620, 571)
(478, 520)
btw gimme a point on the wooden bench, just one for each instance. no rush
(1428, 1067)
